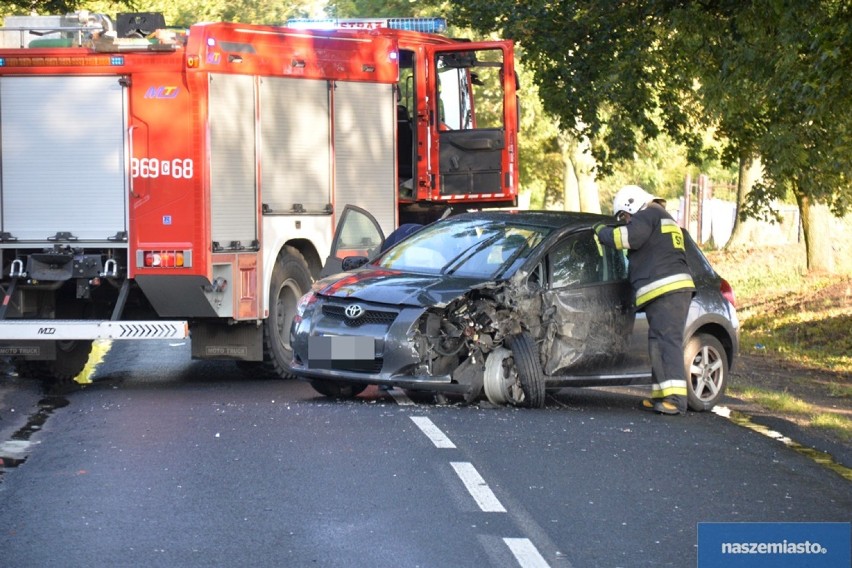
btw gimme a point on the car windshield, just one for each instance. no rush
(475, 248)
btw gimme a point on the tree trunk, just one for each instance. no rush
(590, 201)
(816, 218)
(570, 184)
(580, 189)
(750, 170)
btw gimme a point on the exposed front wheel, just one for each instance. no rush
(706, 371)
(514, 375)
(501, 383)
(290, 280)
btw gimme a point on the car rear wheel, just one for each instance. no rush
(514, 375)
(706, 370)
(334, 389)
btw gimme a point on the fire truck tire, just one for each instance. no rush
(71, 358)
(290, 280)
(256, 369)
(28, 369)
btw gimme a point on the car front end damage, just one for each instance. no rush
(440, 348)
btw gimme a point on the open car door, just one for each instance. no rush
(358, 234)
(590, 302)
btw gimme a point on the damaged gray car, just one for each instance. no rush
(509, 305)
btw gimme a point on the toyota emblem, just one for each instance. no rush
(354, 311)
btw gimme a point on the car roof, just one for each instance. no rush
(540, 218)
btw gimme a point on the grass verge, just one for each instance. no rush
(785, 403)
(803, 319)
(799, 321)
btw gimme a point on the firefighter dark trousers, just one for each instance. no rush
(666, 319)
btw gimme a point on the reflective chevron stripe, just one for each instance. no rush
(91, 329)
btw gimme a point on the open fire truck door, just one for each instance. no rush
(473, 109)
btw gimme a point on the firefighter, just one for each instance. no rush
(400, 233)
(661, 280)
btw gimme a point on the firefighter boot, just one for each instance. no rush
(668, 407)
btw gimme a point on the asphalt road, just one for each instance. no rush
(164, 461)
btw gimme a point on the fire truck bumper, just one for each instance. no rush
(91, 329)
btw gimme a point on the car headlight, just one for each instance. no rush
(304, 303)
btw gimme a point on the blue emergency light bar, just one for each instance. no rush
(425, 25)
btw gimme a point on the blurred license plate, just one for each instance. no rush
(341, 352)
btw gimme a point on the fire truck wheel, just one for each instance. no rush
(71, 358)
(256, 369)
(290, 280)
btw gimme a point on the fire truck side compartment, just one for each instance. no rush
(295, 144)
(365, 148)
(233, 161)
(63, 158)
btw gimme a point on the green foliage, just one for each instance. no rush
(541, 166)
(797, 322)
(803, 319)
(385, 8)
(770, 76)
(658, 166)
(603, 69)
(39, 6)
(180, 13)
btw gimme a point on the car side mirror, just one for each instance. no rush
(353, 262)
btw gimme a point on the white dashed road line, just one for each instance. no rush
(523, 549)
(526, 553)
(477, 488)
(433, 432)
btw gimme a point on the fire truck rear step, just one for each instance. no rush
(92, 329)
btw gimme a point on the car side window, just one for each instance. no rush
(357, 235)
(576, 261)
(537, 277)
(615, 264)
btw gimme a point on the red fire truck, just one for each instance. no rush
(157, 183)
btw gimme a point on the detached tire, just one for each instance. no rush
(528, 366)
(290, 280)
(333, 389)
(706, 365)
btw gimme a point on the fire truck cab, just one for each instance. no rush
(158, 182)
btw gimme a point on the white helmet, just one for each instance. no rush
(630, 198)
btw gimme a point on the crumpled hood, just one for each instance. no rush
(393, 287)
